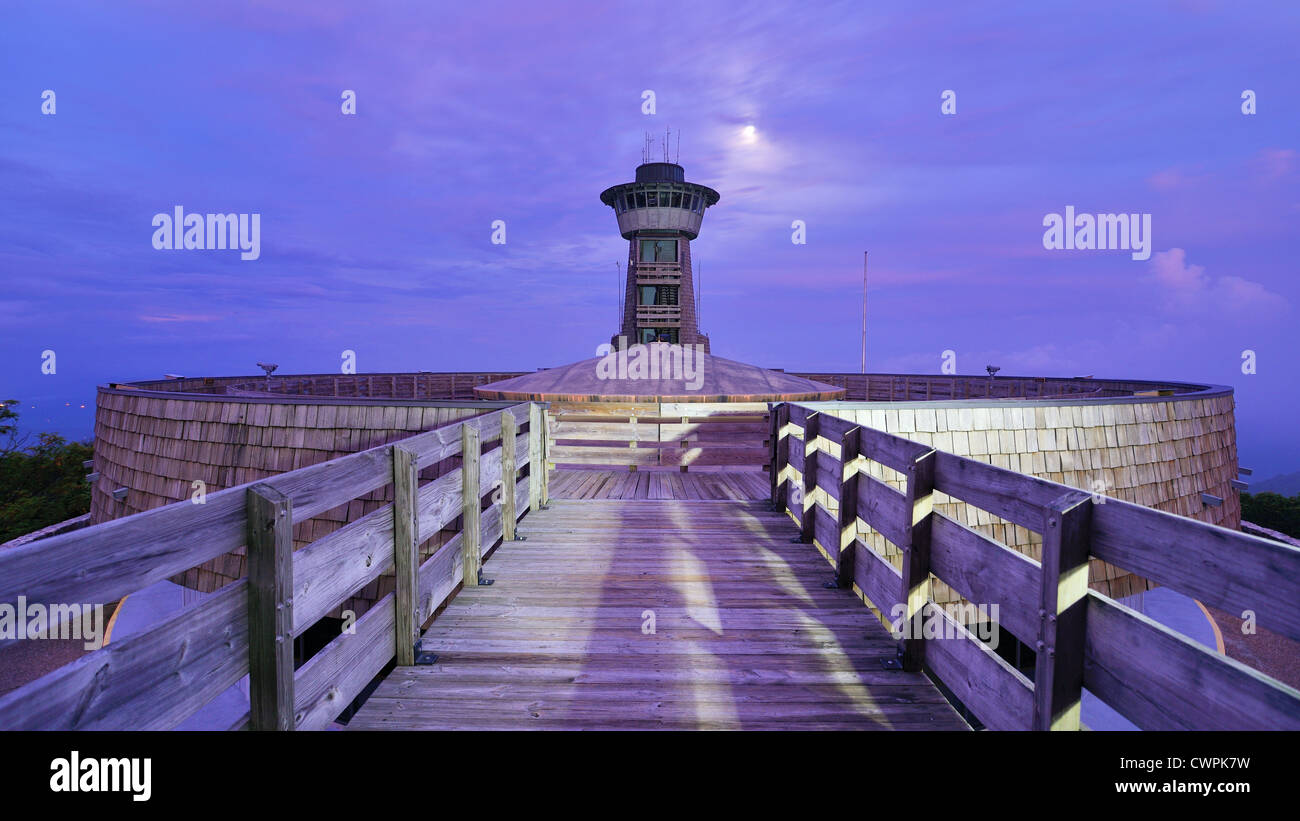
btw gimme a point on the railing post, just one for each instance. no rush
(536, 461)
(269, 526)
(406, 557)
(546, 459)
(508, 434)
(771, 452)
(1063, 593)
(470, 505)
(916, 558)
(808, 516)
(850, 448)
(781, 492)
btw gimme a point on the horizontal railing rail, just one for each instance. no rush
(659, 434)
(157, 678)
(1152, 675)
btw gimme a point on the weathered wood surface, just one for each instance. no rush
(509, 469)
(915, 544)
(636, 435)
(332, 678)
(471, 496)
(744, 635)
(406, 540)
(732, 485)
(1224, 568)
(270, 609)
(131, 684)
(990, 687)
(1161, 680)
(1058, 671)
(1139, 667)
(103, 563)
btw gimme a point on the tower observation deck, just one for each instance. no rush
(659, 214)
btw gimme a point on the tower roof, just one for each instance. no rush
(660, 172)
(712, 379)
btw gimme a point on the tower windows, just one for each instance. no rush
(658, 250)
(657, 295)
(658, 197)
(647, 335)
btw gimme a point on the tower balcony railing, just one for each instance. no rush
(666, 313)
(659, 279)
(675, 267)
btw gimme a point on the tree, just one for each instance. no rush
(1273, 511)
(41, 484)
(10, 440)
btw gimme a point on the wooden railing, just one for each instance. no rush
(158, 678)
(1155, 677)
(902, 387)
(421, 386)
(658, 434)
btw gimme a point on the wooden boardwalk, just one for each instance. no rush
(659, 484)
(744, 636)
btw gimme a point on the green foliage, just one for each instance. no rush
(1271, 510)
(42, 484)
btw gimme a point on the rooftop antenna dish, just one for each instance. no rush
(269, 368)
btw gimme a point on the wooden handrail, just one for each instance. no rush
(1153, 676)
(247, 627)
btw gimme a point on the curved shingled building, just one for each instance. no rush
(1159, 444)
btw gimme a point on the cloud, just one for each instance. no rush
(180, 318)
(1276, 163)
(1189, 288)
(1173, 179)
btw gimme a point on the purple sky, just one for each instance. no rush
(376, 227)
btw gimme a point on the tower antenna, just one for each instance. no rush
(864, 312)
(678, 159)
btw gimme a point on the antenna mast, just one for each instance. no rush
(864, 312)
(619, 268)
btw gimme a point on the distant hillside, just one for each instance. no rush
(1286, 485)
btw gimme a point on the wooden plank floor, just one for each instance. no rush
(744, 636)
(730, 485)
